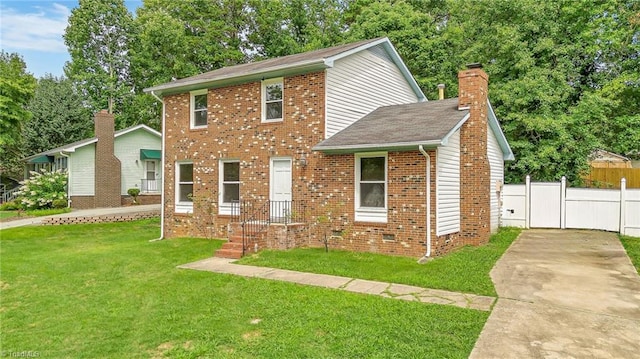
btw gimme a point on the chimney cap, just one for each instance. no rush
(441, 86)
(474, 65)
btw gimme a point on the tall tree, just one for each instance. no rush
(280, 28)
(59, 116)
(97, 38)
(543, 58)
(16, 89)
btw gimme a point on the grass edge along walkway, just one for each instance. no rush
(466, 270)
(355, 285)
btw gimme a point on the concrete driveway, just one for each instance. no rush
(563, 294)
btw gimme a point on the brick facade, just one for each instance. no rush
(326, 183)
(475, 179)
(108, 167)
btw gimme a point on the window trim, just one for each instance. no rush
(192, 108)
(371, 214)
(265, 83)
(225, 208)
(181, 206)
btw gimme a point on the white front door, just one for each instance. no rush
(280, 185)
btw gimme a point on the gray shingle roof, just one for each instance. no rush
(279, 63)
(398, 127)
(87, 141)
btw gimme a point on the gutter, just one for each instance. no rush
(427, 255)
(68, 177)
(163, 169)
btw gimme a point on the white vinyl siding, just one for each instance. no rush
(496, 164)
(127, 149)
(82, 171)
(360, 83)
(448, 186)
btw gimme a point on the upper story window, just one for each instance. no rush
(371, 187)
(184, 187)
(199, 108)
(272, 95)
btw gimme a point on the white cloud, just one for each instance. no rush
(40, 29)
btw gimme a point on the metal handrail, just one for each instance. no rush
(254, 219)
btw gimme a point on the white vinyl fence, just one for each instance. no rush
(553, 205)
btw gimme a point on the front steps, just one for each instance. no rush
(232, 250)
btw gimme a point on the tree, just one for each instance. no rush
(544, 59)
(59, 116)
(16, 89)
(280, 28)
(98, 39)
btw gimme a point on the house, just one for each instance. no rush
(335, 145)
(605, 159)
(101, 169)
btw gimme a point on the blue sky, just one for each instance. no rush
(34, 30)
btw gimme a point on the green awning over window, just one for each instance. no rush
(150, 154)
(41, 159)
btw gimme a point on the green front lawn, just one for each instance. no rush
(34, 212)
(465, 270)
(632, 246)
(104, 290)
(8, 214)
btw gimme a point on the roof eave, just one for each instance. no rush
(275, 71)
(400, 147)
(497, 131)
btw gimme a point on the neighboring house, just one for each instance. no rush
(606, 159)
(338, 143)
(101, 169)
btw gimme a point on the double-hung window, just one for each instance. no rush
(184, 187)
(229, 185)
(371, 187)
(199, 109)
(272, 95)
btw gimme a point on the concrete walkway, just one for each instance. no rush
(81, 213)
(389, 290)
(563, 294)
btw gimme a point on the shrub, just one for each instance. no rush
(134, 192)
(43, 188)
(10, 206)
(59, 203)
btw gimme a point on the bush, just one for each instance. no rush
(11, 206)
(59, 203)
(134, 192)
(43, 188)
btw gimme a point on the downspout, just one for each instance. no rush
(163, 168)
(68, 177)
(427, 255)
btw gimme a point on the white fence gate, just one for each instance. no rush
(553, 205)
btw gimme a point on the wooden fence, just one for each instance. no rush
(610, 177)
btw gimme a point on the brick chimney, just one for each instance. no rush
(107, 165)
(475, 180)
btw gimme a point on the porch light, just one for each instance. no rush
(303, 160)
